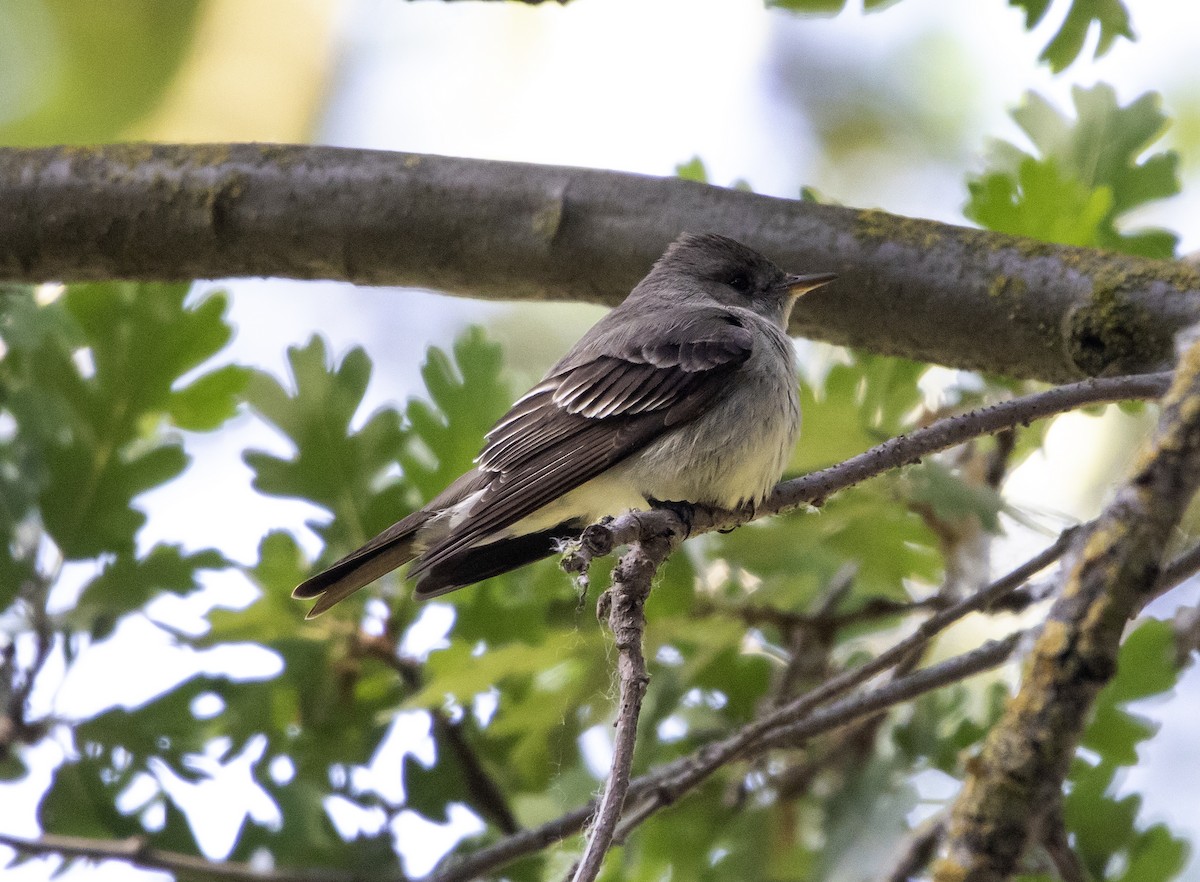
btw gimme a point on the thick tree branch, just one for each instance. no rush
(1019, 773)
(517, 231)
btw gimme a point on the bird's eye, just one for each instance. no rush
(740, 283)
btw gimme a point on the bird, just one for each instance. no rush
(684, 394)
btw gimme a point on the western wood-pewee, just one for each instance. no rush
(686, 392)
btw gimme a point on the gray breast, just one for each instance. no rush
(737, 450)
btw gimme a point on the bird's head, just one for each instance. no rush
(707, 266)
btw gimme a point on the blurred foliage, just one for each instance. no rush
(827, 7)
(1103, 822)
(1087, 174)
(522, 679)
(1064, 47)
(1080, 17)
(80, 73)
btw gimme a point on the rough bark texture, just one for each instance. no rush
(1019, 775)
(909, 287)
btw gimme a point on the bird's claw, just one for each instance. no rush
(685, 511)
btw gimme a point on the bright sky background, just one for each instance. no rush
(638, 85)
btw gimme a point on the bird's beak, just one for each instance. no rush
(797, 285)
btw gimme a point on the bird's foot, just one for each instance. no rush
(746, 511)
(685, 511)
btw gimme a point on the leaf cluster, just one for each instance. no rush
(1085, 176)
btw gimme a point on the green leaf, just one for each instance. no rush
(796, 557)
(333, 465)
(127, 583)
(81, 800)
(1157, 856)
(940, 725)
(814, 7)
(350, 472)
(211, 400)
(951, 498)
(467, 395)
(101, 443)
(692, 170)
(143, 339)
(1104, 827)
(1018, 205)
(459, 671)
(1087, 173)
(87, 503)
(12, 766)
(1035, 10)
(827, 7)
(856, 407)
(1066, 44)
(866, 817)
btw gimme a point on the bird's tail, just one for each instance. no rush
(392, 548)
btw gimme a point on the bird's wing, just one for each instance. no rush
(590, 415)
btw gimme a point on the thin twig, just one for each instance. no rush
(137, 852)
(920, 849)
(902, 689)
(869, 610)
(627, 619)
(487, 796)
(1177, 571)
(815, 487)
(668, 783)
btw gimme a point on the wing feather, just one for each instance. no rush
(588, 415)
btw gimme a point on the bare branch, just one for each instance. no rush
(516, 231)
(785, 620)
(666, 784)
(627, 619)
(813, 488)
(1019, 774)
(137, 852)
(1177, 571)
(919, 850)
(17, 685)
(1056, 842)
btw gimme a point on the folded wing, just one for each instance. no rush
(586, 418)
